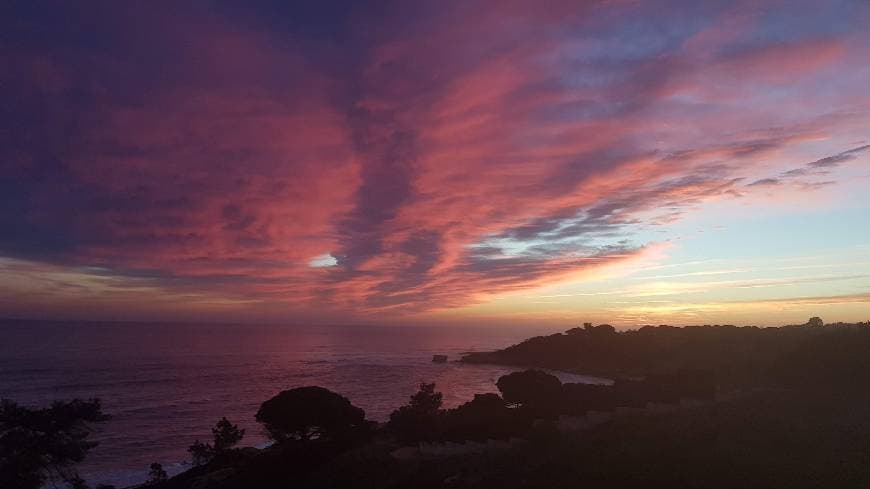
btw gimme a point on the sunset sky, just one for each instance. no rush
(414, 162)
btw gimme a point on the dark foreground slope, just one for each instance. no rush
(762, 441)
(770, 440)
(791, 410)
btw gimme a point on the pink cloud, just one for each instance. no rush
(781, 63)
(449, 157)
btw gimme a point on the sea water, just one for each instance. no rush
(165, 385)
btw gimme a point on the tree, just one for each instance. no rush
(41, 444)
(426, 400)
(225, 435)
(529, 388)
(604, 330)
(815, 321)
(419, 420)
(484, 417)
(201, 453)
(310, 413)
(157, 474)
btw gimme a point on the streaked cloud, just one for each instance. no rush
(381, 163)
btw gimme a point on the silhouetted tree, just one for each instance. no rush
(157, 474)
(419, 420)
(307, 413)
(426, 400)
(531, 389)
(43, 444)
(815, 321)
(201, 453)
(484, 417)
(225, 435)
(604, 329)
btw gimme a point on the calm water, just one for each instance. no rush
(166, 384)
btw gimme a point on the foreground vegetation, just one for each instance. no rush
(746, 407)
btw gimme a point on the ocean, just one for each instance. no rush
(166, 384)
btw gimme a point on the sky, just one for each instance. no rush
(445, 162)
